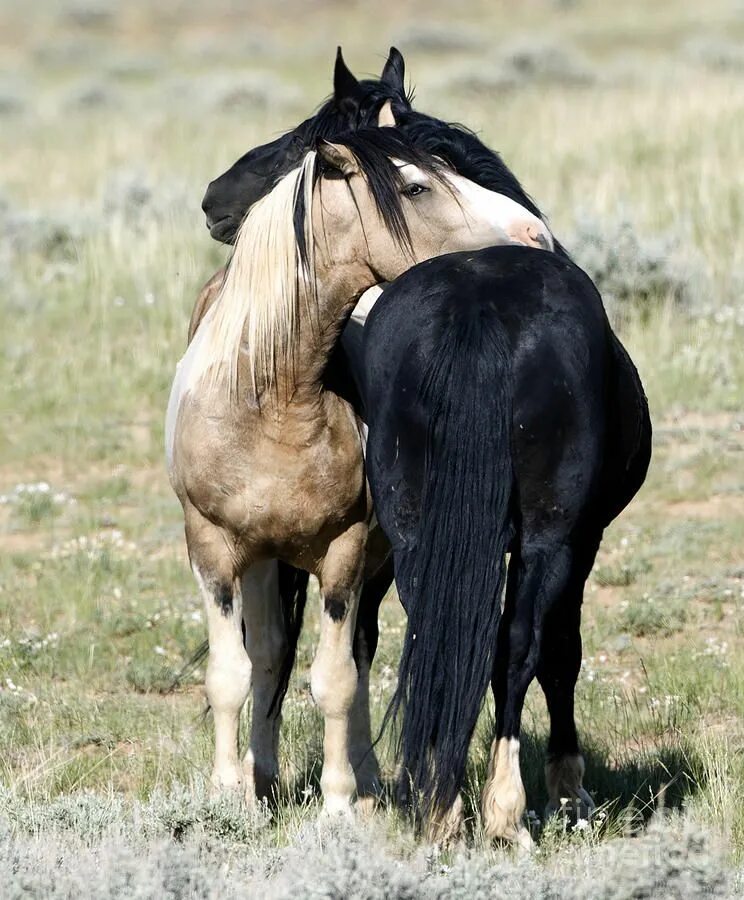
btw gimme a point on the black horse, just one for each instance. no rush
(501, 418)
(355, 104)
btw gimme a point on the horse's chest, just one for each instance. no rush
(271, 488)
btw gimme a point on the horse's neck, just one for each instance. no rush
(322, 317)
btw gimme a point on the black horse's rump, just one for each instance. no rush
(491, 394)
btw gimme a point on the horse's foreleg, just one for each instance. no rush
(333, 676)
(228, 670)
(266, 645)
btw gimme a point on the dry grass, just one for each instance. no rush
(112, 119)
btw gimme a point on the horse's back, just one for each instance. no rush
(547, 307)
(559, 364)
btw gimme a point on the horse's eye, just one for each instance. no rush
(414, 190)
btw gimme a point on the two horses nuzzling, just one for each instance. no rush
(503, 413)
(267, 463)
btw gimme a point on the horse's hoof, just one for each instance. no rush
(446, 830)
(335, 807)
(580, 806)
(227, 783)
(366, 806)
(522, 841)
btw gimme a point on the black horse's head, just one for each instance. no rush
(353, 105)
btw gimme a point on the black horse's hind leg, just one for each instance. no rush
(538, 576)
(558, 670)
(363, 759)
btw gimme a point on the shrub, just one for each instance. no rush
(55, 237)
(150, 676)
(184, 811)
(12, 100)
(93, 95)
(135, 199)
(646, 616)
(89, 15)
(672, 858)
(525, 62)
(438, 37)
(633, 272)
(715, 53)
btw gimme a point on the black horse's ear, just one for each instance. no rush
(394, 71)
(346, 89)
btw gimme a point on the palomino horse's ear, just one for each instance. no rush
(338, 157)
(394, 70)
(386, 119)
(346, 89)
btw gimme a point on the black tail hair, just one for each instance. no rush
(293, 595)
(456, 579)
(190, 666)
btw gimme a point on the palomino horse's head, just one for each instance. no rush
(354, 104)
(356, 212)
(391, 205)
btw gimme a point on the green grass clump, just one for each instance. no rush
(647, 616)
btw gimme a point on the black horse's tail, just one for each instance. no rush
(456, 579)
(293, 595)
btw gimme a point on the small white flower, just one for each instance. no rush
(581, 825)
(161, 651)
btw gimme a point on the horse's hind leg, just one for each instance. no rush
(228, 670)
(363, 758)
(266, 645)
(333, 676)
(558, 670)
(537, 575)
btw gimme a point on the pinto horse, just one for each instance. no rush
(268, 464)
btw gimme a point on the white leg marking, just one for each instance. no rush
(228, 682)
(503, 801)
(333, 680)
(447, 828)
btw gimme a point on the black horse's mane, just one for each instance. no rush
(333, 118)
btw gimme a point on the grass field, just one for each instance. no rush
(626, 123)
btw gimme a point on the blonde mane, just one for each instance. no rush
(259, 302)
